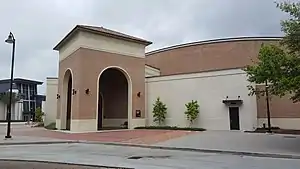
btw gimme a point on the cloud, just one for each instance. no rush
(39, 25)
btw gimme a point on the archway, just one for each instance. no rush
(67, 102)
(113, 99)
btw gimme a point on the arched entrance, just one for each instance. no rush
(113, 99)
(67, 103)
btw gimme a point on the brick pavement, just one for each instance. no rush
(120, 136)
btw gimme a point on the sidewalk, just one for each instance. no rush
(239, 143)
(225, 142)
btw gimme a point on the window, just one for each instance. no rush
(32, 92)
(32, 106)
(25, 106)
(25, 91)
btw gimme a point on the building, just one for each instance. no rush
(29, 100)
(106, 79)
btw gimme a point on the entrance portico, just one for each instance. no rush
(106, 84)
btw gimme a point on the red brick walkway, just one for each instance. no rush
(123, 136)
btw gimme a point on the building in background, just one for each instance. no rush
(24, 109)
(106, 79)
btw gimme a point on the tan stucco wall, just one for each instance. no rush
(209, 89)
(95, 62)
(50, 107)
(86, 55)
(150, 71)
(101, 43)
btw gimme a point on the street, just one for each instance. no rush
(143, 158)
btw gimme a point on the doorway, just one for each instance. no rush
(234, 118)
(100, 111)
(113, 99)
(69, 101)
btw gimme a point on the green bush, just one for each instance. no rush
(51, 126)
(192, 111)
(39, 115)
(171, 128)
(159, 112)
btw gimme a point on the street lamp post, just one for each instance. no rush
(268, 108)
(10, 40)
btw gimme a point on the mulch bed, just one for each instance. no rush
(276, 131)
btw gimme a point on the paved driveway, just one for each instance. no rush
(238, 141)
(150, 159)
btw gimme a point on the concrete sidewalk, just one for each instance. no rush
(239, 142)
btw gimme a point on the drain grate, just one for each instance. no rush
(149, 157)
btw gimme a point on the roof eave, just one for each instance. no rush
(78, 27)
(144, 42)
(66, 38)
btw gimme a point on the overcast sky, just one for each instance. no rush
(38, 25)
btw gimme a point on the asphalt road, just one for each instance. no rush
(140, 158)
(43, 165)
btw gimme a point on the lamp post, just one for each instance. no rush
(10, 40)
(268, 108)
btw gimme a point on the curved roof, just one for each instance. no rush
(212, 41)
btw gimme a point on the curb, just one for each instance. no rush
(63, 163)
(37, 142)
(239, 153)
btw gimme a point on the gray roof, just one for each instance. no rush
(22, 81)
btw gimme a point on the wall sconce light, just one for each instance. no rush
(57, 96)
(139, 94)
(74, 91)
(87, 91)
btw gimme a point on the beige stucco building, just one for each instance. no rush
(106, 79)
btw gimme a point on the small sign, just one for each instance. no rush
(138, 113)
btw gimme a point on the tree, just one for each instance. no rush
(159, 111)
(4, 98)
(279, 65)
(192, 111)
(39, 114)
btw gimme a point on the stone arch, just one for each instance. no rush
(66, 113)
(114, 98)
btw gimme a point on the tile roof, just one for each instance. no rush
(101, 31)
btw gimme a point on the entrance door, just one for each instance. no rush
(234, 118)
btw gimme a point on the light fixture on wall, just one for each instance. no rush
(87, 91)
(139, 94)
(74, 91)
(57, 96)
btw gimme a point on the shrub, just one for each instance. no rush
(51, 126)
(39, 115)
(171, 128)
(192, 111)
(159, 111)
